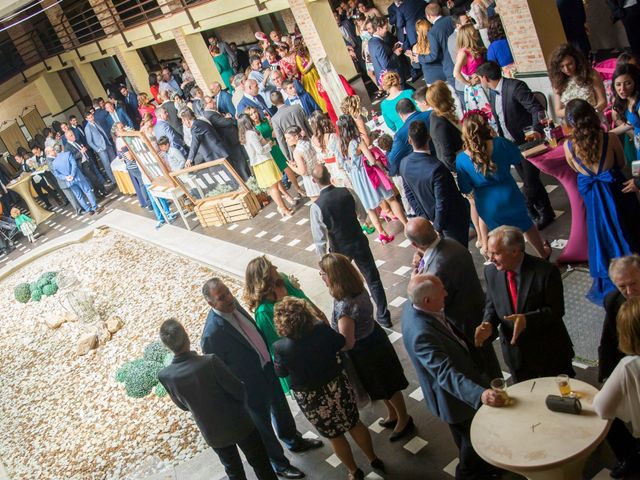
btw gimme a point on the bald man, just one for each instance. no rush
(449, 369)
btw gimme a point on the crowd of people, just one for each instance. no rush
(445, 175)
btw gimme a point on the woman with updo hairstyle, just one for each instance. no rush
(484, 169)
(613, 229)
(572, 77)
(619, 399)
(392, 84)
(307, 355)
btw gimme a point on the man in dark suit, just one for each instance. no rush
(442, 28)
(287, 116)
(525, 303)
(78, 129)
(383, 57)
(101, 142)
(204, 140)
(223, 99)
(434, 188)
(84, 161)
(227, 129)
(232, 335)
(449, 369)
(408, 13)
(100, 114)
(574, 20)
(172, 112)
(252, 98)
(117, 114)
(515, 108)
(334, 224)
(131, 105)
(204, 386)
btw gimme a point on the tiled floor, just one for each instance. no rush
(430, 452)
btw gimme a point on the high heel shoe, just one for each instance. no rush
(285, 213)
(368, 230)
(387, 218)
(357, 475)
(408, 428)
(384, 239)
(378, 465)
(293, 201)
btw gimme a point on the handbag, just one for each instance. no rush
(556, 403)
(360, 394)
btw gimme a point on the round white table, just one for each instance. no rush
(529, 439)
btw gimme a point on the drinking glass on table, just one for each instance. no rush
(529, 134)
(499, 385)
(563, 385)
(543, 118)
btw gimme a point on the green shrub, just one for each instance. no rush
(168, 358)
(49, 289)
(49, 276)
(141, 377)
(156, 352)
(22, 292)
(160, 391)
(34, 285)
(36, 294)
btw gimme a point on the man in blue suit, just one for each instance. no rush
(163, 128)
(77, 129)
(383, 57)
(232, 335)
(116, 114)
(408, 13)
(223, 99)
(434, 188)
(100, 142)
(66, 170)
(252, 98)
(442, 29)
(131, 105)
(296, 94)
(449, 368)
(100, 114)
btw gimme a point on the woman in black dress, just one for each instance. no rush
(308, 354)
(367, 344)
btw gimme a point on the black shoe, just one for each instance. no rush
(357, 475)
(378, 465)
(626, 467)
(291, 472)
(544, 222)
(304, 444)
(386, 323)
(395, 436)
(388, 423)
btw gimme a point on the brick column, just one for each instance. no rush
(534, 30)
(133, 68)
(107, 15)
(289, 20)
(60, 24)
(327, 49)
(196, 53)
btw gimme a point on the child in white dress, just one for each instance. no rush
(304, 159)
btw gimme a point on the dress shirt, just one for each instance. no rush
(115, 117)
(319, 230)
(243, 324)
(79, 147)
(427, 256)
(440, 316)
(500, 113)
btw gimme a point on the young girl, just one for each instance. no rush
(304, 159)
(26, 225)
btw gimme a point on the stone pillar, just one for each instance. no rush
(534, 30)
(60, 24)
(326, 46)
(53, 92)
(196, 53)
(289, 20)
(133, 68)
(89, 79)
(107, 16)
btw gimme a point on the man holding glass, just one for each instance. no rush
(449, 369)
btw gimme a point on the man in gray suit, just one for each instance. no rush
(204, 386)
(64, 185)
(287, 116)
(449, 369)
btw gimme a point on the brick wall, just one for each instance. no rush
(523, 38)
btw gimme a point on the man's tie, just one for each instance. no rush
(513, 289)
(254, 337)
(83, 154)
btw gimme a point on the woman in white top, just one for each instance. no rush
(619, 398)
(304, 159)
(264, 168)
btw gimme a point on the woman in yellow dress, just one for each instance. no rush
(309, 73)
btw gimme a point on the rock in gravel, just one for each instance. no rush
(114, 324)
(86, 343)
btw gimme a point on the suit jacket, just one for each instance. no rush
(519, 107)
(100, 116)
(408, 13)
(435, 190)
(447, 140)
(401, 147)
(608, 352)
(439, 54)
(288, 116)
(223, 340)
(227, 129)
(206, 141)
(122, 115)
(309, 105)
(95, 138)
(173, 118)
(450, 375)
(382, 57)
(131, 100)
(544, 348)
(164, 129)
(225, 105)
(259, 103)
(203, 385)
(64, 166)
(79, 133)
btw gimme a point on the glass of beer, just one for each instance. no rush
(529, 134)
(563, 385)
(499, 385)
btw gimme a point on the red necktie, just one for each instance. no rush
(513, 289)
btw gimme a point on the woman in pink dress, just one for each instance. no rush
(287, 63)
(144, 107)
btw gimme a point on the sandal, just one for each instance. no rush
(384, 239)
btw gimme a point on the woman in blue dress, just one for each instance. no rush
(613, 229)
(626, 84)
(351, 154)
(484, 170)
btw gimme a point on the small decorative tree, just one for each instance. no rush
(140, 376)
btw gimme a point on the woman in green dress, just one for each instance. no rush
(264, 128)
(264, 287)
(224, 67)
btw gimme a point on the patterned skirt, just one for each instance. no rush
(331, 409)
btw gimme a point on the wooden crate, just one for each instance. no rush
(209, 213)
(219, 211)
